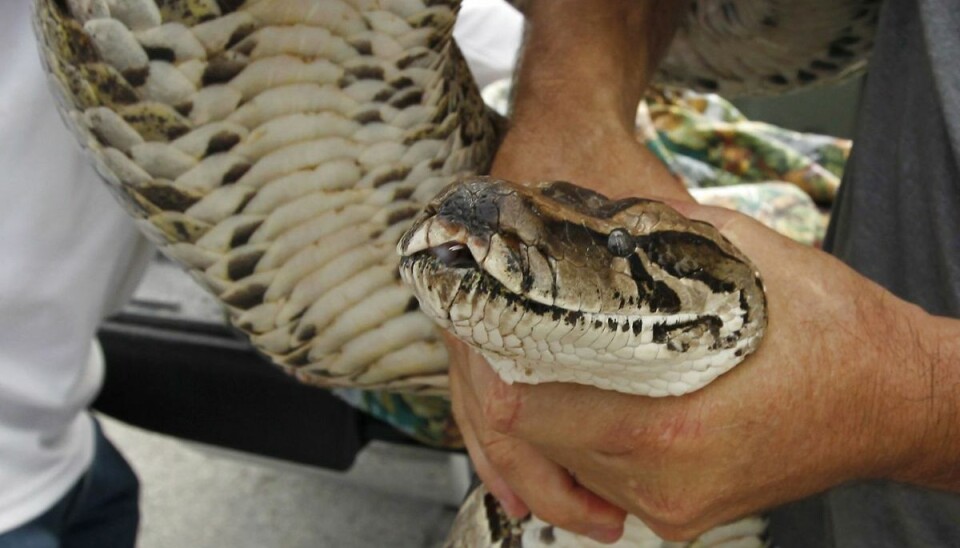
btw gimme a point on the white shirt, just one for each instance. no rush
(68, 255)
(489, 33)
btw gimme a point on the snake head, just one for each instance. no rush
(557, 282)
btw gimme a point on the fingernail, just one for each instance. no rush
(605, 535)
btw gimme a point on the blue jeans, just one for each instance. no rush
(100, 511)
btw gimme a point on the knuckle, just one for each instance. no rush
(678, 517)
(678, 521)
(501, 409)
(673, 430)
(676, 432)
(671, 513)
(674, 533)
(622, 436)
(562, 517)
(725, 219)
(500, 452)
(651, 439)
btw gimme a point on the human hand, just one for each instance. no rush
(806, 412)
(828, 329)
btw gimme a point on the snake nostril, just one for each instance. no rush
(454, 255)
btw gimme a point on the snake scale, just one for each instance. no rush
(279, 149)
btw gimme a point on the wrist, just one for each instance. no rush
(916, 398)
(603, 158)
(929, 410)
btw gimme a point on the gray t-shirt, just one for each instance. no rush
(897, 221)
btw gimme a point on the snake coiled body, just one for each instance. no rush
(278, 150)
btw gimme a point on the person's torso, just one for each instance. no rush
(897, 221)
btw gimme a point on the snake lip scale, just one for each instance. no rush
(555, 282)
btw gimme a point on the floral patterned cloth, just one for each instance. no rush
(781, 206)
(707, 142)
(785, 179)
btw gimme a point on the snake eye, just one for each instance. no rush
(620, 242)
(454, 255)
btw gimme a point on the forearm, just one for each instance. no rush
(892, 373)
(592, 57)
(867, 384)
(925, 407)
(583, 71)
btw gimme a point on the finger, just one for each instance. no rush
(717, 216)
(511, 503)
(565, 414)
(545, 487)
(751, 236)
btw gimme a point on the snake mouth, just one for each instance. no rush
(448, 267)
(442, 275)
(453, 255)
(444, 246)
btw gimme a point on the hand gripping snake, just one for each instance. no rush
(279, 149)
(557, 283)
